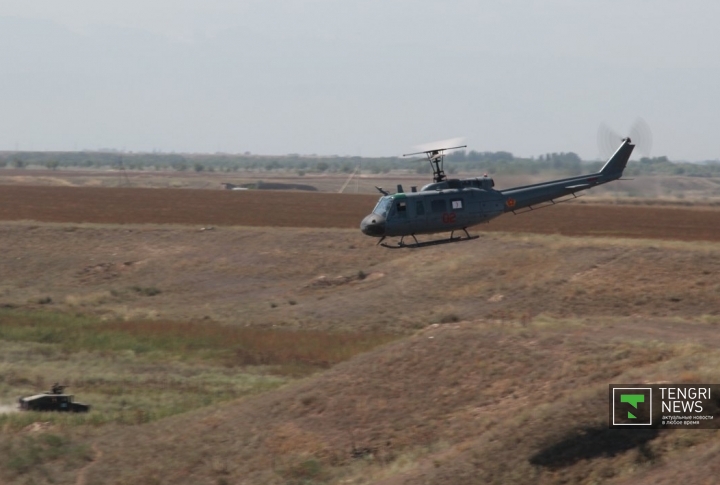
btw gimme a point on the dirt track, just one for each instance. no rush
(325, 210)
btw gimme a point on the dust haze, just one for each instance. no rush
(8, 408)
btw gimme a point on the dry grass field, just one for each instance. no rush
(658, 189)
(259, 338)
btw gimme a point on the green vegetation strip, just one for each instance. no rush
(230, 345)
(135, 372)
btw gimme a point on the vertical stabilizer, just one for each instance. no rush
(614, 167)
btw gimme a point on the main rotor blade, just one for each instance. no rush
(448, 144)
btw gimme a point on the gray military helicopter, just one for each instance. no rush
(456, 204)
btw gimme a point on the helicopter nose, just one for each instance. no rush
(373, 225)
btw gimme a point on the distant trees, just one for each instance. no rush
(477, 162)
(568, 162)
(274, 165)
(658, 165)
(474, 156)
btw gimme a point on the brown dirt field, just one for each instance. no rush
(325, 210)
(310, 278)
(508, 342)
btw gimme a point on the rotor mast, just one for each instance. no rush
(436, 157)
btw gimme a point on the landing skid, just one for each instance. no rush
(417, 244)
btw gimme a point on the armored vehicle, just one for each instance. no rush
(55, 400)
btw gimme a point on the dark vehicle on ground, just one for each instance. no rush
(55, 400)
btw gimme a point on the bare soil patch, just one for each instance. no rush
(325, 210)
(331, 279)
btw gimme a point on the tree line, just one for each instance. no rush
(502, 162)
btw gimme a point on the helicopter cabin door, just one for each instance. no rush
(437, 219)
(419, 215)
(400, 214)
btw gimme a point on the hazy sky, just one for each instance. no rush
(358, 77)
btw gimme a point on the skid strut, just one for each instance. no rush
(417, 244)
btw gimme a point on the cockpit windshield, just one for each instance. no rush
(383, 206)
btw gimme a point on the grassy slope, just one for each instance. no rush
(460, 403)
(546, 327)
(134, 373)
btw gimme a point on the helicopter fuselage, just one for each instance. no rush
(444, 206)
(454, 204)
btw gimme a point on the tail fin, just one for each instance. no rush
(614, 167)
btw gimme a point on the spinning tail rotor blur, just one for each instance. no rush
(639, 133)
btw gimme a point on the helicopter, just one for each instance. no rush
(456, 204)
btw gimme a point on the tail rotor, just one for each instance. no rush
(639, 133)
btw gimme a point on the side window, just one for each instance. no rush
(420, 208)
(457, 204)
(438, 205)
(401, 207)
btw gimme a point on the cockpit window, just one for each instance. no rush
(383, 206)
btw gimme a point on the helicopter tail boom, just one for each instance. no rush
(530, 195)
